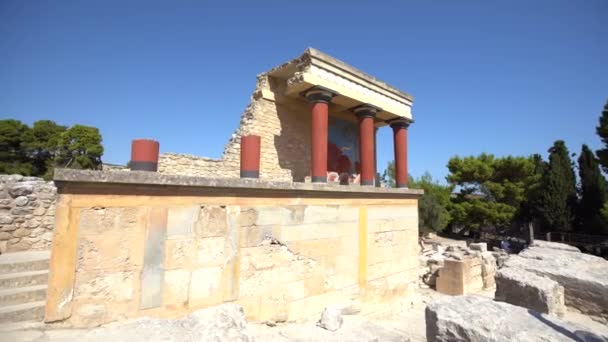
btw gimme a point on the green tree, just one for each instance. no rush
(42, 146)
(557, 200)
(80, 148)
(388, 177)
(602, 131)
(13, 154)
(492, 191)
(592, 193)
(433, 212)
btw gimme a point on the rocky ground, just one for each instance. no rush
(400, 320)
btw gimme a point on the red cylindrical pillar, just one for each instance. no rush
(144, 155)
(250, 156)
(400, 141)
(320, 99)
(366, 144)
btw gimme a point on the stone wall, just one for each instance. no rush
(154, 251)
(27, 213)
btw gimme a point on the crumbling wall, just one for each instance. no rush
(280, 258)
(27, 213)
(284, 127)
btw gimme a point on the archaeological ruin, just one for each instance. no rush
(291, 218)
(291, 225)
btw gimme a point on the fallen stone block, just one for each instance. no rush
(526, 289)
(583, 276)
(331, 319)
(458, 277)
(480, 319)
(554, 245)
(480, 246)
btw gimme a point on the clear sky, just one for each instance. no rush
(505, 77)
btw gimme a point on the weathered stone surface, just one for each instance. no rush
(583, 276)
(554, 245)
(526, 289)
(21, 201)
(153, 178)
(480, 319)
(21, 207)
(21, 189)
(225, 322)
(6, 219)
(481, 246)
(331, 319)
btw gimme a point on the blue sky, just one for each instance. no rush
(504, 77)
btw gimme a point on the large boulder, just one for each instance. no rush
(554, 245)
(583, 276)
(473, 318)
(526, 289)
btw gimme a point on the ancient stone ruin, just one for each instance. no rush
(290, 220)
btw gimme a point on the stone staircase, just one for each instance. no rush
(23, 285)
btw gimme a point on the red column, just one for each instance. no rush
(320, 99)
(400, 141)
(250, 156)
(366, 116)
(144, 155)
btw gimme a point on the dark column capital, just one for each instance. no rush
(319, 94)
(400, 123)
(366, 111)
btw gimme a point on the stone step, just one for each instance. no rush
(22, 295)
(21, 279)
(24, 261)
(23, 312)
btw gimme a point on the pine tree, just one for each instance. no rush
(557, 200)
(592, 193)
(602, 131)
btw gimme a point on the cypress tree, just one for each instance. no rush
(592, 193)
(557, 200)
(602, 131)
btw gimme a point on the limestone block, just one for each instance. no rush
(269, 215)
(205, 287)
(248, 217)
(526, 289)
(212, 222)
(321, 214)
(480, 319)
(583, 276)
(180, 221)
(294, 214)
(89, 314)
(106, 286)
(110, 251)
(459, 277)
(255, 235)
(96, 221)
(175, 287)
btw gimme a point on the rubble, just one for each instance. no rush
(331, 319)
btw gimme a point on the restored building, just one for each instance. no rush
(336, 134)
(194, 234)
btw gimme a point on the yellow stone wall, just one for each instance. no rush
(281, 257)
